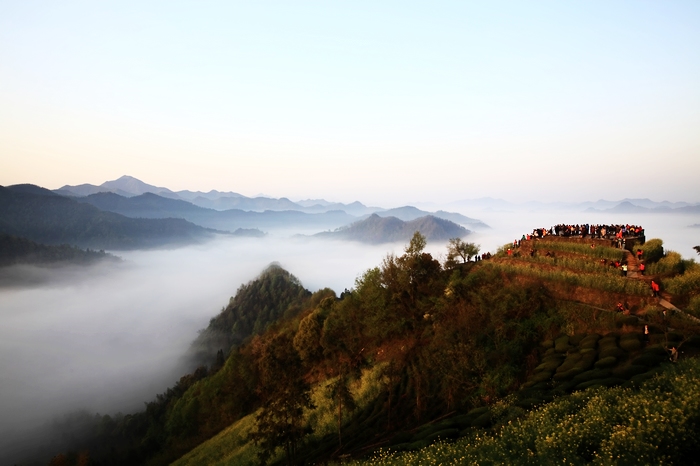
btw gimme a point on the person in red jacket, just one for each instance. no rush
(654, 289)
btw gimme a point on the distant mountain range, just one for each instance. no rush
(128, 186)
(488, 204)
(626, 207)
(37, 214)
(408, 213)
(150, 205)
(127, 214)
(227, 210)
(376, 229)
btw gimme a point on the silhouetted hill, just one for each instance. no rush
(146, 205)
(258, 204)
(407, 213)
(376, 229)
(16, 250)
(274, 294)
(31, 189)
(52, 219)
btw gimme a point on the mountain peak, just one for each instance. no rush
(133, 186)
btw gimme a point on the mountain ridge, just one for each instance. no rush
(376, 229)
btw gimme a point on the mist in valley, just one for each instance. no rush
(109, 337)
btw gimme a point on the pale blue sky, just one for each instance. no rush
(383, 102)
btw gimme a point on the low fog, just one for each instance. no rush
(108, 338)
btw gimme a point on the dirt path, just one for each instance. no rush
(632, 265)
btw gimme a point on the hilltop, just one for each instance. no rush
(420, 351)
(376, 229)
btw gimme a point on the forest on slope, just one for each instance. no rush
(15, 250)
(421, 352)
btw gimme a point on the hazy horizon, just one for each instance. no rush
(383, 103)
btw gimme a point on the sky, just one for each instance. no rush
(383, 102)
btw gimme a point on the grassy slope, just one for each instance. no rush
(656, 424)
(523, 433)
(230, 447)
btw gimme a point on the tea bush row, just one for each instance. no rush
(609, 283)
(653, 425)
(599, 252)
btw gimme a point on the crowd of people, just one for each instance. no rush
(618, 232)
(593, 231)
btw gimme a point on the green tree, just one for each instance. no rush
(339, 392)
(285, 395)
(416, 245)
(653, 250)
(459, 248)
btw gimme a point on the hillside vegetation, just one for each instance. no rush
(520, 358)
(15, 250)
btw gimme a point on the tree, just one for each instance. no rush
(285, 395)
(339, 392)
(458, 248)
(697, 249)
(416, 245)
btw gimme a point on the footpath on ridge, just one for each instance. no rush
(664, 298)
(630, 259)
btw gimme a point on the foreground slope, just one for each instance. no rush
(418, 352)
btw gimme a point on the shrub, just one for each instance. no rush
(694, 306)
(591, 341)
(586, 362)
(672, 263)
(443, 435)
(686, 284)
(567, 375)
(649, 360)
(482, 421)
(592, 374)
(655, 425)
(606, 362)
(614, 352)
(630, 344)
(541, 377)
(547, 344)
(548, 366)
(652, 250)
(561, 344)
(626, 372)
(569, 362)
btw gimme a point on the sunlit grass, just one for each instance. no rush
(598, 252)
(653, 425)
(615, 284)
